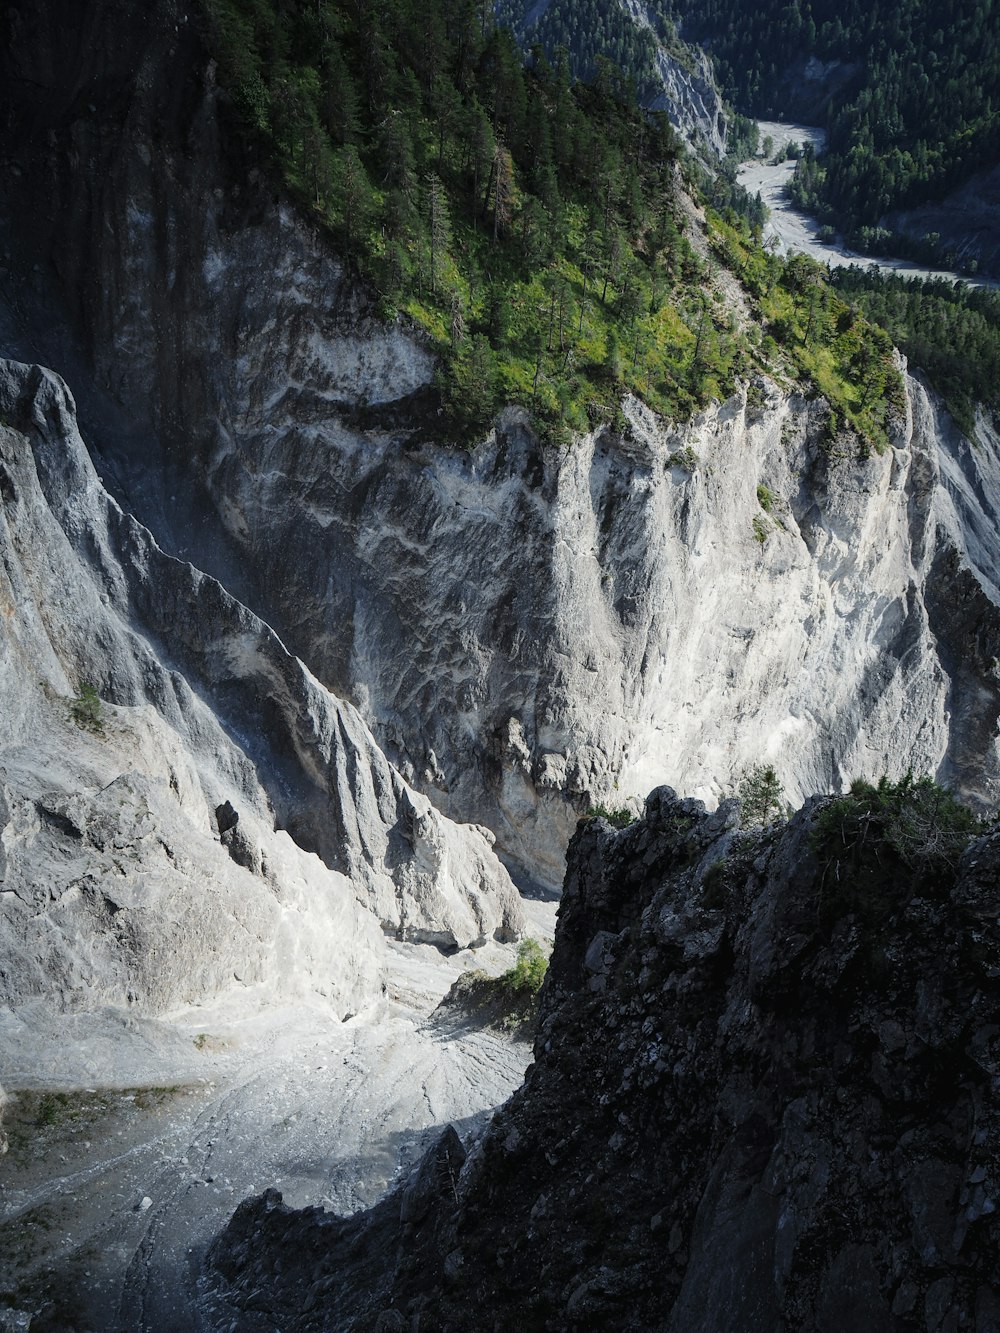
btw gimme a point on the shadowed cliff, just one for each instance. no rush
(763, 1097)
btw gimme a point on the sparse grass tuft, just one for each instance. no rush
(685, 458)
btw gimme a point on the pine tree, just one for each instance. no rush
(438, 227)
(500, 191)
(354, 192)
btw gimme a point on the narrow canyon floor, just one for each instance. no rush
(132, 1141)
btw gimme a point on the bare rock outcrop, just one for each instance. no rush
(136, 699)
(763, 1097)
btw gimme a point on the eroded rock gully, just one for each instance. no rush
(206, 863)
(528, 632)
(762, 1097)
(114, 884)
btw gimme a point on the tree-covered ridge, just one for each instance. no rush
(918, 116)
(529, 224)
(810, 328)
(594, 30)
(948, 330)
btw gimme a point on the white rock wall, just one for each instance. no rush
(531, 631)
(115, 887)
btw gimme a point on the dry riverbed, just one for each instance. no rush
(793, 232)
(113, 1187)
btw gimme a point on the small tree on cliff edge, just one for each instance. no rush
(761, 796)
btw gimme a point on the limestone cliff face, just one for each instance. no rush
(690, 95)
(763, 1097)
(530, 632)
(526, 631)
(124, 876)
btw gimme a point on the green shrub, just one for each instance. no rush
(528, 972)
(761, 531)
(620, 817)
(756, 396)
(713, 885)
(685, 458)
(766, 498)
(508, 1002)
(86, 710)
(923, 823)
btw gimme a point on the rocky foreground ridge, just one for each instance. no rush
(764, 1096)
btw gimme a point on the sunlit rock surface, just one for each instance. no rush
(120, 881)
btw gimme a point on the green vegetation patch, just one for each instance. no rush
(526, 223)
(34, 1119)
(593, 31)
(948, 330)
(86, 709)
(685, 458)
(824, 338)
(529, 225)
(617, 816)
(510, 1001)
(882, 843)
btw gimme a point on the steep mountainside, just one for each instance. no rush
(763, 1097)
(216, 757)
(640, 38)
(528, 630)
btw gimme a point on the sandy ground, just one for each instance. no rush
(795, 232)
(132, 1141)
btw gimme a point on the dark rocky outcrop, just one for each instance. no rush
(763, 1097)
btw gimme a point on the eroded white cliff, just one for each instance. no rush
(122, 882)
(533, 631)
(526, 631)
(690, 95)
